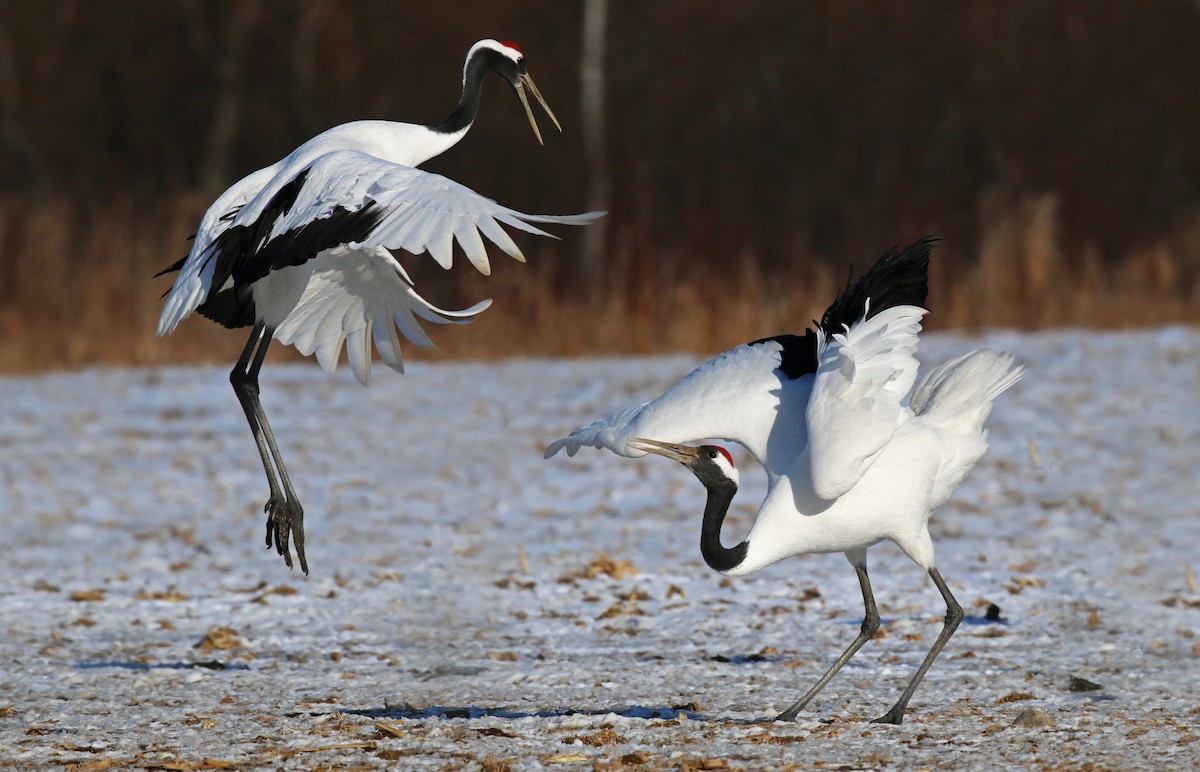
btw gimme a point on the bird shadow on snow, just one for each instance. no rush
(974, 620)
(644, 712)
(126, 665)
(396, 712)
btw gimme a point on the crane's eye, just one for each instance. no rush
(712, 454)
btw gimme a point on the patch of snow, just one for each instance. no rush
(451, 615)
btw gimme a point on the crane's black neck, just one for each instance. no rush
(476, 69)
(717, 556)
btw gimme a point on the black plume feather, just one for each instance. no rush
(899, 278)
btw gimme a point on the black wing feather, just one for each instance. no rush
(798, 355)
(247, 253)
(299, 245)
(899, 278)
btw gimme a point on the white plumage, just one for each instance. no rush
(851, 460)
(304, 251)
(855, 406)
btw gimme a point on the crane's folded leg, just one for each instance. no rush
(869, 625)
(285, 516)
(954, 615)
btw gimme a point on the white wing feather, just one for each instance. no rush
(354, 296)
(737, 396)
(862, 380)
(422, 211)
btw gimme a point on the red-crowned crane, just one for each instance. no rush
(851, 458)
(301, 251)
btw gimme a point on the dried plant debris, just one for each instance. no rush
(219, 638)
(602, 565)
(170, 595)
(605, 736)
(282, 589)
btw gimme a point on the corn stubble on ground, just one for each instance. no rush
(503, 611)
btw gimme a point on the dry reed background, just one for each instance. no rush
(83, 293)
(813, 136)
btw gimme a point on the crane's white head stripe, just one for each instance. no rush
(506, 48)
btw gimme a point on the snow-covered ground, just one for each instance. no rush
(471, 604)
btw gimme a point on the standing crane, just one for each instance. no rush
(851, 458)
(301, 252)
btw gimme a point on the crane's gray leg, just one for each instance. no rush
(284, 514)
(954, 615)
(869, 625)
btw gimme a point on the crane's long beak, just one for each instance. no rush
(684, 454)
(524, 82)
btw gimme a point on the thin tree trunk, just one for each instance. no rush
(595, 22)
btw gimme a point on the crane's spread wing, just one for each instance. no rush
(735, 396)
(343, 198)
(863, 377)
(403, 208)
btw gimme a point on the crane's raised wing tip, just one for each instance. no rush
(553, 448)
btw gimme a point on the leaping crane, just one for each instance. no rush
(301, 252)
(851, 458)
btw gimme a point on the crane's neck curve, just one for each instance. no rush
(716, 555)
(468, 102)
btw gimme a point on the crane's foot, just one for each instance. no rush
(285, 519)
(789, 714)
(893, 716)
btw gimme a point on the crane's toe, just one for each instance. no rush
(893, 716)
(285, 522)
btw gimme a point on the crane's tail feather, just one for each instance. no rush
(959, 393)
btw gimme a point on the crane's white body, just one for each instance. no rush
(851, 460)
